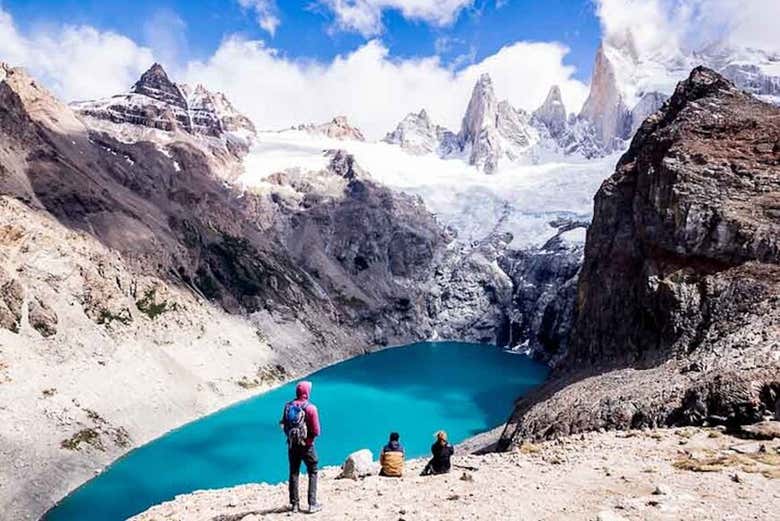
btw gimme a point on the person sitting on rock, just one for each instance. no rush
(301, 424)
(392, 457)
(442, 451)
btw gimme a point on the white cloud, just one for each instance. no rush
(369, 86)
(373, 90)
(166, 34)
(663, 26)
(76, 62)
(267, 13)
(365, 16)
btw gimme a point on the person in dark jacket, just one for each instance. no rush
(442, 451)
(304, 453)
(392, 457)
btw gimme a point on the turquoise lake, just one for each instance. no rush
(417, 389)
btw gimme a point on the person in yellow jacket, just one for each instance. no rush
(392, 457)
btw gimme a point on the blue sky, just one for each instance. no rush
(307, 30)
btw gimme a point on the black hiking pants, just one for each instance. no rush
(308, 456)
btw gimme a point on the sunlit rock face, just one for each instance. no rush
(605, 108)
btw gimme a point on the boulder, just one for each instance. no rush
(359, 464)
(608, 515)
(11, 299)
(42, 317)
(766, 430)
(662, 490)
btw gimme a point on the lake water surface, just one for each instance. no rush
(417, 389)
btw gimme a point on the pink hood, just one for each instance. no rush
(303, 390)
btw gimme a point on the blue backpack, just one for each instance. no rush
(295, 423)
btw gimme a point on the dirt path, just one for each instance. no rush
(682, 474)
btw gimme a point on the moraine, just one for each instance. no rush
(415, 389)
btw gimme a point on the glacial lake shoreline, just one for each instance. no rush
(464, 388)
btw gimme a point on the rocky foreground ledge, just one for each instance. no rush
(679, 474)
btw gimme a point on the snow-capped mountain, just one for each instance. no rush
(418, 135)
(494, 132)
(629, 84)
(626, 87)
(491, 132)
(337, 128)
(156, 102)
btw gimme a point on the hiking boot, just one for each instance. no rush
(316, 507)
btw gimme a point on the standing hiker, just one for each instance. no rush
(301, 424)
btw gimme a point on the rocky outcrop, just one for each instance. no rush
(156, 102)
(11, 301)
(42, 317)
(677, 308)
(337, 128)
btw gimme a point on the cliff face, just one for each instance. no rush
(678, 313)
(685, 233)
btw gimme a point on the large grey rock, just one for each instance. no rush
(359, 464)
(765, 430)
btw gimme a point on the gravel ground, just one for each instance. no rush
(681, 474)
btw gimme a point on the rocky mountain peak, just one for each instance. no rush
(344, 165)
(553, 112)
(337, 128)
(702, 82)
(417, 134)
(155, 84)
(156, 102)
(478, 131)
(604, 108)
(481, 110)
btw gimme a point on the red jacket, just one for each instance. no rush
(302, 394)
